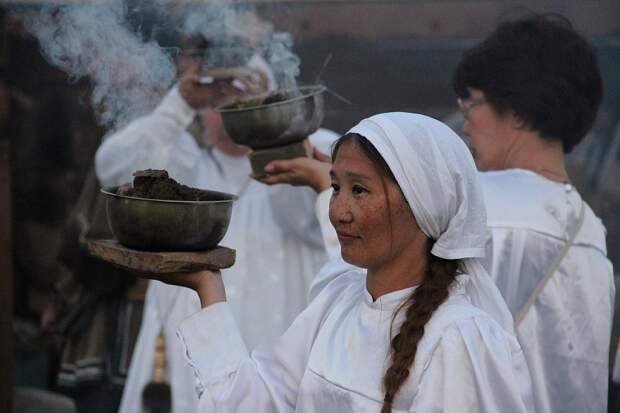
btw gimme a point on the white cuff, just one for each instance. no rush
(212, 343)
(330, 238)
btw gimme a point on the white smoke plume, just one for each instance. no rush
(129, 75)
(225, 23)
(129, 71)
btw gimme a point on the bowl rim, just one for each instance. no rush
(111, 193)
(312, 91)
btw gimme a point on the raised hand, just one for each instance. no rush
(207, 284)
(312, 172)
(219, 90)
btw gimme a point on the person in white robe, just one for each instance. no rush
(273, 229)
(526, 103)
(411, 322)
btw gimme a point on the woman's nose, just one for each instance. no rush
(339, 209)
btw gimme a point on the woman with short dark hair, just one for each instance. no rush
(529, 93)
(540, 70)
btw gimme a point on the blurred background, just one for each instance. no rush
(373, 55)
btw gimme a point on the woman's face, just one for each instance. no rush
(371, 217)
(490, 134)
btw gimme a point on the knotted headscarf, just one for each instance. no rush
(439, 180)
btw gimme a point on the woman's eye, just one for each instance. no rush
(357, 189)
(335, 187)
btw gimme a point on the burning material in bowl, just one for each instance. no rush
(275, 119)
(262, 99)
(156, 184)
(159, 214)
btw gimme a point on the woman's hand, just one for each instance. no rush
(312, 172)
(216, 93)
(207, 284)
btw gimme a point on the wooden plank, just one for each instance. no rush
(147, 262)
(259, 158)
(6, 283)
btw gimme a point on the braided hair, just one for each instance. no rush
(420, 305)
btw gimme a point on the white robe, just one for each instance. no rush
(273, 229)
(565, 336)
(333, 357)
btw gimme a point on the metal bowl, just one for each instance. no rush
(159, 225)
(277, 123)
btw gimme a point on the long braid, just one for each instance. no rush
(422, 302)
(421, 305)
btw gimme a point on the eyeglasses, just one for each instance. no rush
(467, 105)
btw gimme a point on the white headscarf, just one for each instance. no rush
(438, 177)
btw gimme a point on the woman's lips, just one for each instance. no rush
(345, 236)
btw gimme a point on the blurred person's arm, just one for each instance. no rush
(157, 141)
(228, 376)
(295, 203)
(328, 232)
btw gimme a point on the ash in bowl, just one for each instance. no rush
(156, 184)
(261, 100)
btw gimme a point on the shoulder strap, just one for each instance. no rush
(543, 282)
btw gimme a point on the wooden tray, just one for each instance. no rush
(146, 262)
(259, 158)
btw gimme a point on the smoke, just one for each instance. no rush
(235, 33)
(129, 69)
(284, 63)
(129, 75)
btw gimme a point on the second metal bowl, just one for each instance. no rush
(160, 225)
(277, 123)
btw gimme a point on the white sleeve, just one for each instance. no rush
(476, 368)
(157, 141)
(330, 271)
(293, 211)
(324, 139)
(330, 238)
(266, 381)
(294, 207)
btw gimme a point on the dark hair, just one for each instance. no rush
(368, 149)
(540, 68)
(420, 305)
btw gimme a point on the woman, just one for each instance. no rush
(547, 251)
(422, 329)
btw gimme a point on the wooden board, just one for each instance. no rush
(146, 262)
(259, 158)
